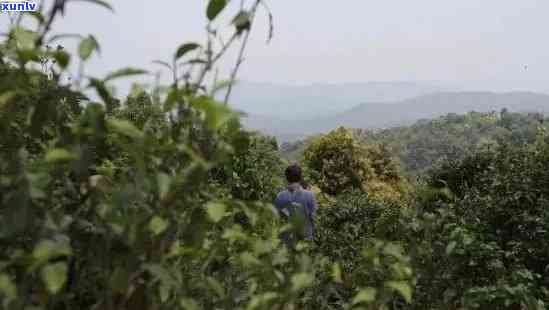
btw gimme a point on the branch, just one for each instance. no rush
(239, 61)
(240, 58)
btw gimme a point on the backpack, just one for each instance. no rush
(301, 220)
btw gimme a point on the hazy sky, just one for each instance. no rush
(477, 43)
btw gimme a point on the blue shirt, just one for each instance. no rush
(295, 193)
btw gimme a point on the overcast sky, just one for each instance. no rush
(477, 43)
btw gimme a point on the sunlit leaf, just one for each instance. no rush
(47, 249)
(214, 8)
(259, 301)
(125, 128)
(301, 281)
(402, 287)
(216, 211)
(365, 295)
(336, 273)
(59, 156)
(158, 225)
(164, 182)
(248, 259)
(54, 276)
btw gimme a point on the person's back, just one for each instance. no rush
(296, 196)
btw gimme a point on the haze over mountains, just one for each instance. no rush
(295, 102)
(293, 112)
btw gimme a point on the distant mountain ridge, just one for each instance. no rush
(403, 112)
(294, 102)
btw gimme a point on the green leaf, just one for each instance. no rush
(164, 181)
(242, 21)
(393, 250)
(5, 98)
(7, 288)
(120, 280)
(62, 58)
(216, 211)
(189, 304)
(124, 72)
(25, 39)
(336, 273)
(101, 90)
(165, 292)
(54, 276)
(158, 225)
(184, 49)
(216, 287)
(402, 287)
(125, 128)
(47, 249)
(214, 8)
(87, 46)
(261, 300)
(365, 295)
(216, 114)
(450, 247)
(301, 281)
(248, 259)
(56, 156)
(160, 273)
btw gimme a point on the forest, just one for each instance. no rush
(163, 200)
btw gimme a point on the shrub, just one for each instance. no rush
(484, 247)
(336, 162)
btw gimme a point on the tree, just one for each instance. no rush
(337, 162)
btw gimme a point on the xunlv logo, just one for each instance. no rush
(17, 6)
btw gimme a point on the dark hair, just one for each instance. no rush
(293, 174)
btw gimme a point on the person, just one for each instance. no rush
(295, 200)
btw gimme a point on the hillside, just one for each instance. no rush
(423, 144)
(383, 115)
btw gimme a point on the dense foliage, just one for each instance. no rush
(337, 162)
(156, 201)
(161, 200)
(451, 137)
(486, 245)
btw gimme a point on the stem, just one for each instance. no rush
(239, 61)
(240, 58)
